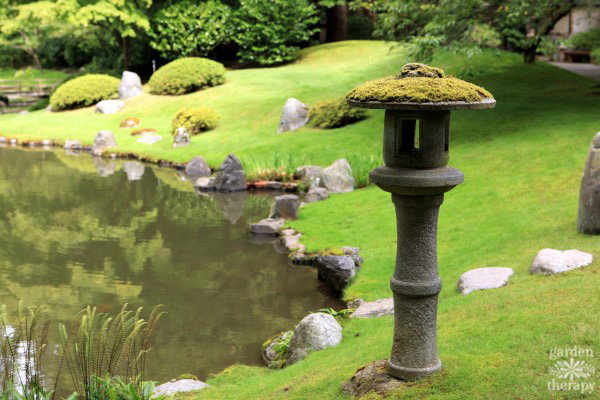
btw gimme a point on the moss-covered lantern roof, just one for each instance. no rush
(420, 87)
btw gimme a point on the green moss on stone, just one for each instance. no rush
(415, 84)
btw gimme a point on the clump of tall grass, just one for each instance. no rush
(361, 165)
(274, 167)
(99, 347)
(23, 341)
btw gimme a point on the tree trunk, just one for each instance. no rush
(125, 48)
(529, 54)
(36, 60)
(337, 23)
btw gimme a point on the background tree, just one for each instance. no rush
(430, 24)
(189, 28)
(269, 31)
(24, 26)
(122, 19)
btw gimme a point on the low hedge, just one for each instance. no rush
(334, 114)
(84, 91)
(196, 120)
(186, 75)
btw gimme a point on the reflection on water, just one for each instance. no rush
(75, 230)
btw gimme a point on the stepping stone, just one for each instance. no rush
(484, 278)
(149, 139)
(550, 261)
(267, 226)
(373, 309)
(174, 387)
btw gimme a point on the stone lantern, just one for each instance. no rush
(416, 143)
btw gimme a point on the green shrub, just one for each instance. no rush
(596, 55)
(196, 120)
(269, 30)
(588, 40)
(188, 29)
(186, 75)
(84, 91)
(334, 113)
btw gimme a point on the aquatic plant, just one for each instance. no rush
(100, 345)
(361, 165)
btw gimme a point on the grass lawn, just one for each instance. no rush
(31, 73)
(522, 162)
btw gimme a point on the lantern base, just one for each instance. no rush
(411, 374)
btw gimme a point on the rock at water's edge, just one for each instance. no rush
(174, 387)
(338, 177)
(103, 140)
(315, 332)
(285, 206)
(230, 177)
(374, 309)
(269, 226)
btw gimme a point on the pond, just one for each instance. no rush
(75, 230)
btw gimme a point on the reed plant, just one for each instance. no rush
(23, 342)
(274, 167)
(361, 165)
(99, 347)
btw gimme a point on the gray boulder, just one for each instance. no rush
(550, 262)
(197, 168)
(109, 106)
(588, 219)
(182, 137)
(310, 174)
(315, 332)
(174, 387)
(270, 227)
(483, 278)
(72, 145)
(373, 309)
(103, 140)
(337, 178)
(205, 184)
(134, 170)
(270, 354)
(336, 271)
(230, 177)
(130, 86)
(149, 139)
(294, 116)
(316, 194)
(285, 206)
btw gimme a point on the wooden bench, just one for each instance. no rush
(572, 56)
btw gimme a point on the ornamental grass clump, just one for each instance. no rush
(196, 120)
(334, 114)
(84, 91)
(186, 75)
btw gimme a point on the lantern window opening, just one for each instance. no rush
(409, 136)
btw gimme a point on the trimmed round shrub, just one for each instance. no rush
(84, 91)
(186, 75)
(196, 120)
(334, 113)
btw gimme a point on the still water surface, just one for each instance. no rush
(76, 231)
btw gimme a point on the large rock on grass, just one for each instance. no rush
(315, 332)
(294, 116)
(338, 178)
(181, 138)
(550, 261)
(285, 206)
(130, 86)
(109, 106)
(483, 278)
(336, 271)
(230, 177)
(588, 220)
(310, 174)
(103, 140)
(197, 168)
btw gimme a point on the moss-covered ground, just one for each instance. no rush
(522, 162)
